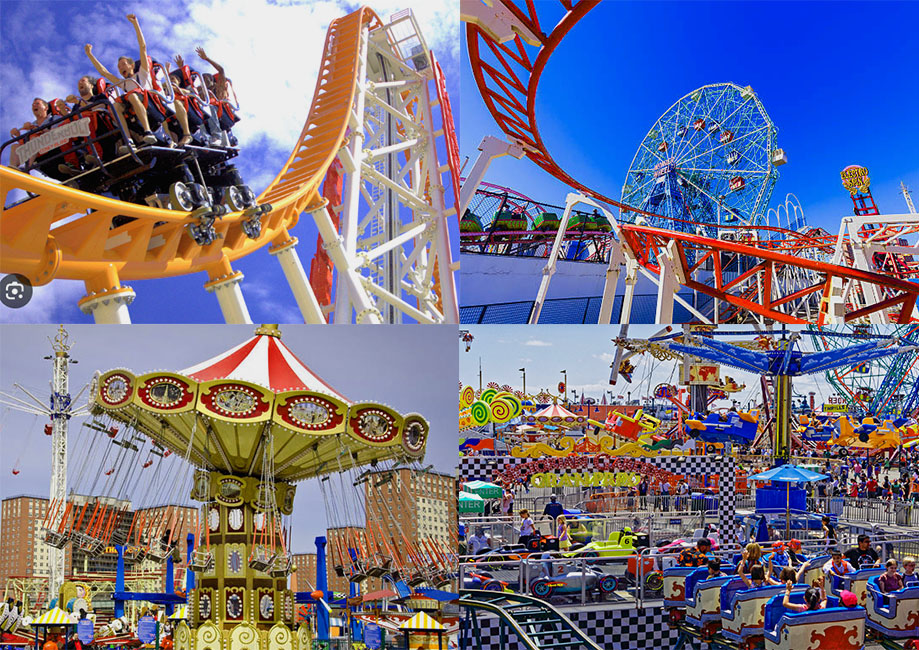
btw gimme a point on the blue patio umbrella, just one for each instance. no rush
(788, 474)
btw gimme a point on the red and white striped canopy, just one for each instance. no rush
(556, 414)
(263, 360)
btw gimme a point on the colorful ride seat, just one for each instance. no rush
(703, 605)
(743, 610)
(840, 628)
(814, 570)
(856, 582)
(675, 585)
(734, 427)
(546, 221)
(508, 221)
(470, 223)
(895, 614)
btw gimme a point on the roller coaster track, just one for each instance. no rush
(66, 233)
(536, 624)
(508, 52)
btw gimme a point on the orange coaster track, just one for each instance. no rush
(65, 233)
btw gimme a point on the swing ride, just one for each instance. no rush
(235, 433)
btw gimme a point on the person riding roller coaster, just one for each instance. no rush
(219, 88)
(142, 95)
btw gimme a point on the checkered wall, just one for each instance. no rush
(613, 629)
(483, 468)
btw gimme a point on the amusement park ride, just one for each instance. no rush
(235, 433)
(693, 212)
(366, 169)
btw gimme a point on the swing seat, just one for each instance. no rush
(417, 579)
(358, 574)
(281, 567)
(55, 539)
(135, 554)
(201, 560)
(442, 578)
(261, 560)
(381, 569)
(339, 570)
(158, 552)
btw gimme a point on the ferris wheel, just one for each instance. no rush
(885, 387)
(709, 160)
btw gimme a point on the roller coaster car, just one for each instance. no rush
(156, 175)
(471, 222)
(546, 221)
(894, 615)
(508, 221)
(703, 601)
(572, 582)
(733, 427)
(743, 610)
(840, 628)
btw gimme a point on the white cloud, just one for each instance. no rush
(54, 302)
(536, 343)
(605, 356)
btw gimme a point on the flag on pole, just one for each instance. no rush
(603, 401)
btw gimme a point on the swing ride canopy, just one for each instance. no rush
(217, 414)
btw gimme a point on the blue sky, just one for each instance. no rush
(376, 368)
(838, 79)
(271, 51)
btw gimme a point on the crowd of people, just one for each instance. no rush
(153, 106)
(758, 569)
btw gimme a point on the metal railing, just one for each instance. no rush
(660, 526)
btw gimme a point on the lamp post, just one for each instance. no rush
(524, 371)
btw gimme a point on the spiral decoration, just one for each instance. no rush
(244, 634)
(480, 412)
(467, 396)
(501, 410)
(513, 400)
(280, 638)
(208, 637)
(488, 394)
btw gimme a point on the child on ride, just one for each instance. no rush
(812, 599)
(219, 87)
(758, 577)
(890, 580)
(910, 577)
(837, 565)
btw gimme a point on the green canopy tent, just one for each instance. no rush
(469, 502)
(484, 489)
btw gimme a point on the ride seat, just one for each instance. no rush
(704, 606)
(894, 614)
(675, 585)
(743, 609)
(840, 628)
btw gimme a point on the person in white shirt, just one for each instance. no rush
(478, 543)
(527, 527)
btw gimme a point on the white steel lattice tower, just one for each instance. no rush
(60, 416)
(909, 199)
(395, 256)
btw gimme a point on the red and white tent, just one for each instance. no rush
(263, 360)
(558, 415)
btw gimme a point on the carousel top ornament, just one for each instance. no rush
(218, 414)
